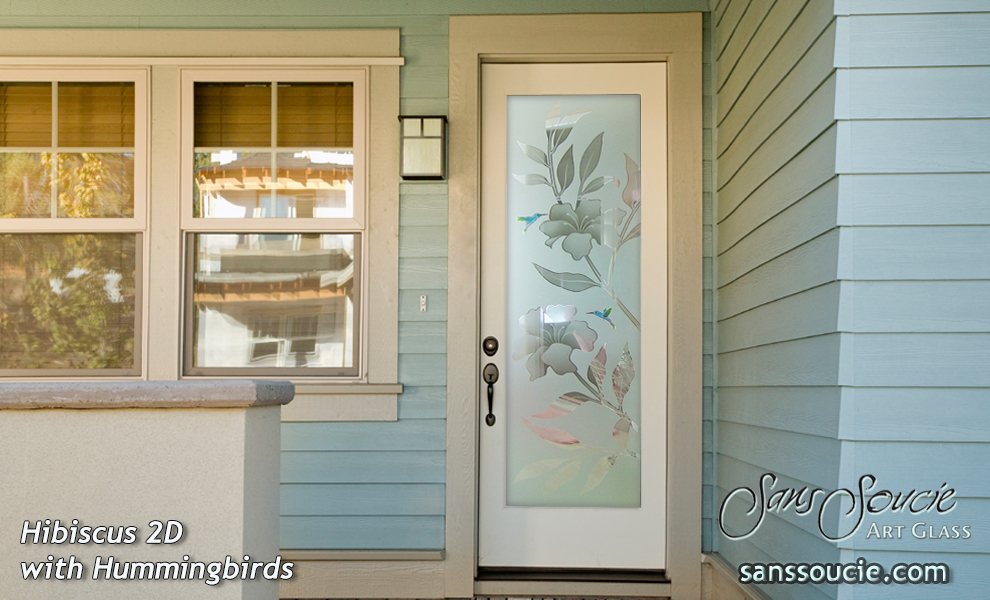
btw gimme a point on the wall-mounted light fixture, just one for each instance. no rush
(424, 147)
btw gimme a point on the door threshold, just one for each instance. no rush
(585, 575)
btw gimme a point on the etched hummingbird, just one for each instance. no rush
(603, 314)
(530, 220)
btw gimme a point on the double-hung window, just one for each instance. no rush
(273, 215)
(73, 189)
(188, 204)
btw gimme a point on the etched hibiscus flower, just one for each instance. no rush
(578, 226)
(551, 335)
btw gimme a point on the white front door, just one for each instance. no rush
(574, 289)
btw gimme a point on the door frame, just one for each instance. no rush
(674, 38)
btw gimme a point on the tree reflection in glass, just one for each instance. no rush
(67, 301)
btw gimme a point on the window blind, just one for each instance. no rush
(25, 115)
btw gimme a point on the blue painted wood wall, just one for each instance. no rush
(853, 246)
(913, 103)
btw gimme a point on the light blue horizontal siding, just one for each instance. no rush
(808, 410)
(905, 414)
(436, 305)
(423, 402)
(336, 499)
(422, 337)
(809, 265)
(362, 533)
(423, 369)
(423, 273)
(875, 7)
(920, 306)
(912, 202)
(915, 146)
(930, 253)
(810, 458)
(918, 40)
(805, 220)
(778, 251)
(810, 313)
(917, 93)
(922, 360)
(414, 434)
(914, 199)
(920, 466)
(363, 467)
(810, 361)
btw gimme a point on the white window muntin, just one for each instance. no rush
(138, 222)
(357, 76)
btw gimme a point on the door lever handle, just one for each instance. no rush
(490, 375)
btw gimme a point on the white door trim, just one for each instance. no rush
(676, 40)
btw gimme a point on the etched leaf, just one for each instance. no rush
(596, 370)
(620, 433)
(558, 437)
(593, 186)
(623, 375)
(564, 405)
(572, 282)
(589, 160)
(560, 136)
(598, 472)
(562, 476)
(535, 153)
(565, 169)
(631, 193)
(538, 468)
(531, 179)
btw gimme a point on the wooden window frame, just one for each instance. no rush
(136, 225)
(356, 224)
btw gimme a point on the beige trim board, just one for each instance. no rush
(572, 589)
(191, 43)
(719, 581)
(352, 389)
(676, 39)
(341, 407)
(364, 579)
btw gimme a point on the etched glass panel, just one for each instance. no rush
(573, 301)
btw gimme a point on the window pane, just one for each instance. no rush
(274, 301)
(233, 114)
(96, 115)
(67, 301)
(317, 115)
(25, 185)
(25, 115)
(96, 185)
(234, 185)
(316, 183)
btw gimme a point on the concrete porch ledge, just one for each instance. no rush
(222, 393)
(201, 453)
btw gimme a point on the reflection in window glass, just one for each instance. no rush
(307, 184)
(68, 301)
(274, 301)
(96, 185)
(25, 185)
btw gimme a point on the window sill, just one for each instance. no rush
(321, 402)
